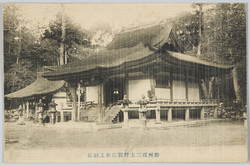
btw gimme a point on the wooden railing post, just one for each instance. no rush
(170, 115)
(215, 112)
(62, 116)
(187, 115)
(158, 114)
(202, 113)
(28, 108)
(79, 101)
(125, 118)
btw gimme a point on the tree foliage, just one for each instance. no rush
(225, 33)
(11, 23)
(17, 41)
(24, 53)
(74, 33)
(224, 39)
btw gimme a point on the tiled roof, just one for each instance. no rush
(40, 87)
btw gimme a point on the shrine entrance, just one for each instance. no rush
(113, 90)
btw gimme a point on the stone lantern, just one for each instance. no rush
(20, 114)
(52, 111)
(142, 111)
(40, 106)
(125, 103)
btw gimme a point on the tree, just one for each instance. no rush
(11, 23)
(186, 29)
(217, 33)
(199, 5)
(63, 55)
(18, 76)
(224, 41)
(24, 53)
(16, 40)
(73, 34)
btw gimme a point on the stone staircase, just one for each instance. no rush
(111, 113)
(90, 114)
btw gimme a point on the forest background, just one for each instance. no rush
(217, 33)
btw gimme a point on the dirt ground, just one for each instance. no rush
(35, 137)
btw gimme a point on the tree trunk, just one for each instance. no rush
(62, 44)
(204, 88)
(17, 59)
(236, 85)
(61, 59)
(65, 55)
(211, 87)
(200, 22)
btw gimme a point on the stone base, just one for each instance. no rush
(125, 127)
(143, 124)
(40, 121)
(20, 121)
(158, 122)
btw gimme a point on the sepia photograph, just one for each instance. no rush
(125, 82)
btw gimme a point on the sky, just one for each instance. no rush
(87, 14)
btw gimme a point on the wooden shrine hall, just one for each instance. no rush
(30, 95)
(148, 60)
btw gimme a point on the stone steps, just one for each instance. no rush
(91, 114)
(111, 113)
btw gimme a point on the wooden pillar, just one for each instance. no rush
(27, 108)
(79, 101)
(186, 83)
(125, 119)
(74, 110)
(202, 113)
(215, 112)
(126, 83)
(36, 109)
(62, 116)
(199, 84)
(85, 95)
(152, 84)
(24, 108)
(57, 117)
(187, 115)
(171, 84)
(158, 115)
(100, 91)
(52, 118)
(170, 115)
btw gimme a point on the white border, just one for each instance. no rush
(109, 1)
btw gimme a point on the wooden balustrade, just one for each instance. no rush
(171, 105)
(177, 103)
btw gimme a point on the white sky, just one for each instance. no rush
(118, 15)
